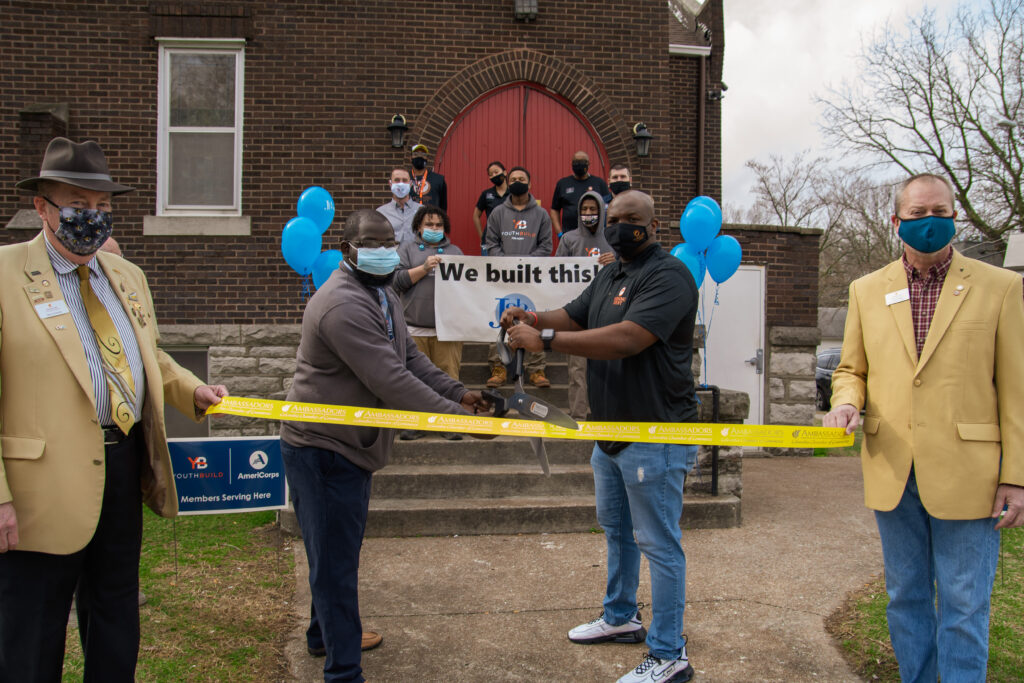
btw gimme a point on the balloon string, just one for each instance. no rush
(707, 332)
(306, 292)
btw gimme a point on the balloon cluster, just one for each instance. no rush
(705, 251)
(302, 237)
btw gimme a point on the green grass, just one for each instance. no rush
(860, 625)
(224, 614)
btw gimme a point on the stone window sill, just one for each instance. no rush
(163, 226)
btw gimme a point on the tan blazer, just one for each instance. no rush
(50, 439)
(957, 413)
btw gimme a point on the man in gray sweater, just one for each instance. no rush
(518, 227)
(355, 350)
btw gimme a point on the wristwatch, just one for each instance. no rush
(546, 336)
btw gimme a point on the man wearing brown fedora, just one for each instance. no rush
(81, 427)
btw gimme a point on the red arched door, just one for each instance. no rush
(520, 124)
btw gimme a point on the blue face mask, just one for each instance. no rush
(432, 236)
(928, 234)
(379, 261)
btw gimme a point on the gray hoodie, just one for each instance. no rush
(346, 358)
(518, 232)
(582, 242)
(418, 299)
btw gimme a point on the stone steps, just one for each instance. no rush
(524, 515)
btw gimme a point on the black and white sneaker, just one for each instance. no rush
(600, 631)
(654, 670)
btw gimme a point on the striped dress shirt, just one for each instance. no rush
(67, 278)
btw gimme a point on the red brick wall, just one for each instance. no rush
(321, 83)
(790, 257)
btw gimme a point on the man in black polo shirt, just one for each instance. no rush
(635, 325)
(568, 191)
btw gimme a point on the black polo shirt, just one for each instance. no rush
(658, 293)
(489, 199)
(568, 191)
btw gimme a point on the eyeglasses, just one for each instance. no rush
(370, 243)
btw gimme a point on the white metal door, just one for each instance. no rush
(734, 351)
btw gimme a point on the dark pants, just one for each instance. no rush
(331, 498)
(36, 589)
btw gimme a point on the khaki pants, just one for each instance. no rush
(446, 355)
(578, 404)
(534, 360)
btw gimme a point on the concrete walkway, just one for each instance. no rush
(497, 608)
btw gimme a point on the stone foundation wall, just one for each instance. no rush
(791, 389)
(250, 360)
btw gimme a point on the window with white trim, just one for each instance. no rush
(199, 145)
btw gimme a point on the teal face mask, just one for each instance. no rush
(432, 236)
(379, 261)
(929, 234)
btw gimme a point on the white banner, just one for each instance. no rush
(471, 292)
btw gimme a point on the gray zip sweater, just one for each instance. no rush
(345, 358)
(418, 299)
(582, 242)
(518, 232)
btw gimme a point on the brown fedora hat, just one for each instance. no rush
(81, 164)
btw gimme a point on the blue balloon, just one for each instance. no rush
(724, 256)
(704, 200)
(692, 260)
(300, 244)
(699, 225)
(316, 204)
(326, 263)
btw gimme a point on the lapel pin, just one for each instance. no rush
(48, 295)
(34, 272)
(122, 286)
(45, 283)
(33, 290)
(59, 327)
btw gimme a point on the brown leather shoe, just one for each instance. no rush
(538, 379)
(498, 377)
(371, 639)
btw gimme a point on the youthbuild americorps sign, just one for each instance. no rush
(230, 474)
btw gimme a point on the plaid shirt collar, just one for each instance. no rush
(936, 272)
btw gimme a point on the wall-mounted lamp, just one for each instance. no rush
(525, 10)
(643, 139)
(397, 128)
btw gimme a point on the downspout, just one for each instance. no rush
(701, 119)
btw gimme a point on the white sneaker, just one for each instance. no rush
(600, 631)
(654, 670)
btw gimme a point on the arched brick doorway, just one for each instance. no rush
(518, 124)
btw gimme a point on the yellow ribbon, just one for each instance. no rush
(698, 433)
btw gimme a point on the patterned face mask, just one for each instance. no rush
(82, 231)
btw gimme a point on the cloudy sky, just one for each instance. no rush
(778, 55)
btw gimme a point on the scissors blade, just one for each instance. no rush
(539, 409)
(542, 455)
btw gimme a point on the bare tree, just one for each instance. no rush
(947, 99)
(850, 207)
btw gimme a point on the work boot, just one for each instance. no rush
(538, 379)
(498, 377)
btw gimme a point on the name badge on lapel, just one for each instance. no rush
(897, 296)
(50, 309)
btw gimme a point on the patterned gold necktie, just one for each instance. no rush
(115, 362)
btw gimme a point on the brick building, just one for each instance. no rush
(221, 113)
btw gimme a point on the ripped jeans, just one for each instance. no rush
(640, 491)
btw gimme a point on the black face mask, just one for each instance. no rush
(618, 186)
(498, 179)
(519, 188)
(419, 163)
(625, 238)
(579, 168)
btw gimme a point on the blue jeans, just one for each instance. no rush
(331, 498)
(957, 557)
(640, 491)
